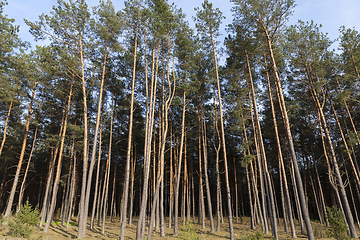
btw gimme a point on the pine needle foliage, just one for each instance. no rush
(24, 221)
(338, 228)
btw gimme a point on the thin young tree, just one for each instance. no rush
(207, 23)
(133, 8)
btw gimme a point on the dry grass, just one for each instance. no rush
(112, 231)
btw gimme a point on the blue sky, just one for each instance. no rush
(330, 13)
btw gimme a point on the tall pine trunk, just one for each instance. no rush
(22, 188)
(97, 177)
(281, 160)
(107, 175)
(21, 158)
(177, 178)
(227, 184)
(128, 152)
(82, 204)
(150, 107)
(6, 123)
(344, 199)
(59, 166)
(302, 199)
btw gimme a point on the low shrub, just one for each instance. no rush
(190, 233)
(24, 221)
(338, 228)
(257, 236)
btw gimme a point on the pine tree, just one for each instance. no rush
(207, 22)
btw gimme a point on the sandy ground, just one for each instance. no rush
(112, 231)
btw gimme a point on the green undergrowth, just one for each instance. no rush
(56, 223)
(24, 221)
(190, 232)
(257, 236)
(338, 228)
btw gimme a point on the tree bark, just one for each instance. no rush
(107, 174)
(85, 210)
(73, 180)
(263, 155)
(22, 188)
(281, 160)
(21, 158)
(58, 169)
(148, 139)
(217, 147)
(265, 224)
(132, 178)
(304, 207)
(201, 189)
(342, 191)
(113, 195)
(128, 153)
(82, 204)
(231, 228)
(97, 177)
(177, 179)
(6, 123)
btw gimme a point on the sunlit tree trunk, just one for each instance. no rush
(140, 232)
(95, 202)
(236, 190)
(107, 175)
(263, 155)
(59, 166)
(348, 151)
(162, 144)
(21, 158)
(73, 179)
(281, 160)
(113, 202)
(128, 152)
(303, 203)
(2, 185)
(49, 181)
(217, 147)
(347, 210)
(252, 215)
(82, 204)
(171, 186)
(132, 178)
(177, 178)
(65, 208)
(201, 189)
(6, 123)
(22, 188)
(85, 210)
(227, 184)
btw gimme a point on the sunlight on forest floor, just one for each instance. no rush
(112, 231)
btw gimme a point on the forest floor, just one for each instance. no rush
(194, 231)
